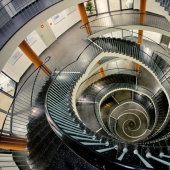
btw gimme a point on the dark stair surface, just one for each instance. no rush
(145, 101)
(86, 110)
(48, 152)
(163, 111)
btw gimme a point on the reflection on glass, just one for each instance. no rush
(127, 4)
(90, 7)
(7, 119)
(114, 5)
(102, 6)
(5, 101)
(6, 84)
(2, 118)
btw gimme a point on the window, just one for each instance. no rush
(7, 85)
(90, 9)
(103, 6)
(114, 5)
(127, 4)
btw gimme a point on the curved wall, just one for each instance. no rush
(19, 36)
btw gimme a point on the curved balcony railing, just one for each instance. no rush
(133, 36)
(113, 71)
(112, 124)
(22, 111)
(14, 15)
(62, 118)
(10, 28)
(107, 89)
(15, 121)
(113, 21)
(61, 112)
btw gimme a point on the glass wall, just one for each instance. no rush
(90, 7)
(2, 118)
(7, 92)
(5, 101)
(7, 85)
(114, 5)
(104, 6)
(127, 4)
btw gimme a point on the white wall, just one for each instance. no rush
(21, 65)
(17, 70)
(65, 23)
(39, 46)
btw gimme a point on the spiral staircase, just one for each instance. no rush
(76, 116)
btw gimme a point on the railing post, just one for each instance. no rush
(107, 149)
(125, 150)
(142, 159)
(11, 118)
(161, 155)
(148, 155)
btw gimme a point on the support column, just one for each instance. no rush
(27, 50)
(101, 71)
(141, 21)
(12, 143)
(137, 68)
(84, 18)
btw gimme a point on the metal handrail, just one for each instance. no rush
(15, 97)
(69, 84)
(104, 91)
(66, 67)
(166, 54)
(134, 72)
(161, 26)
